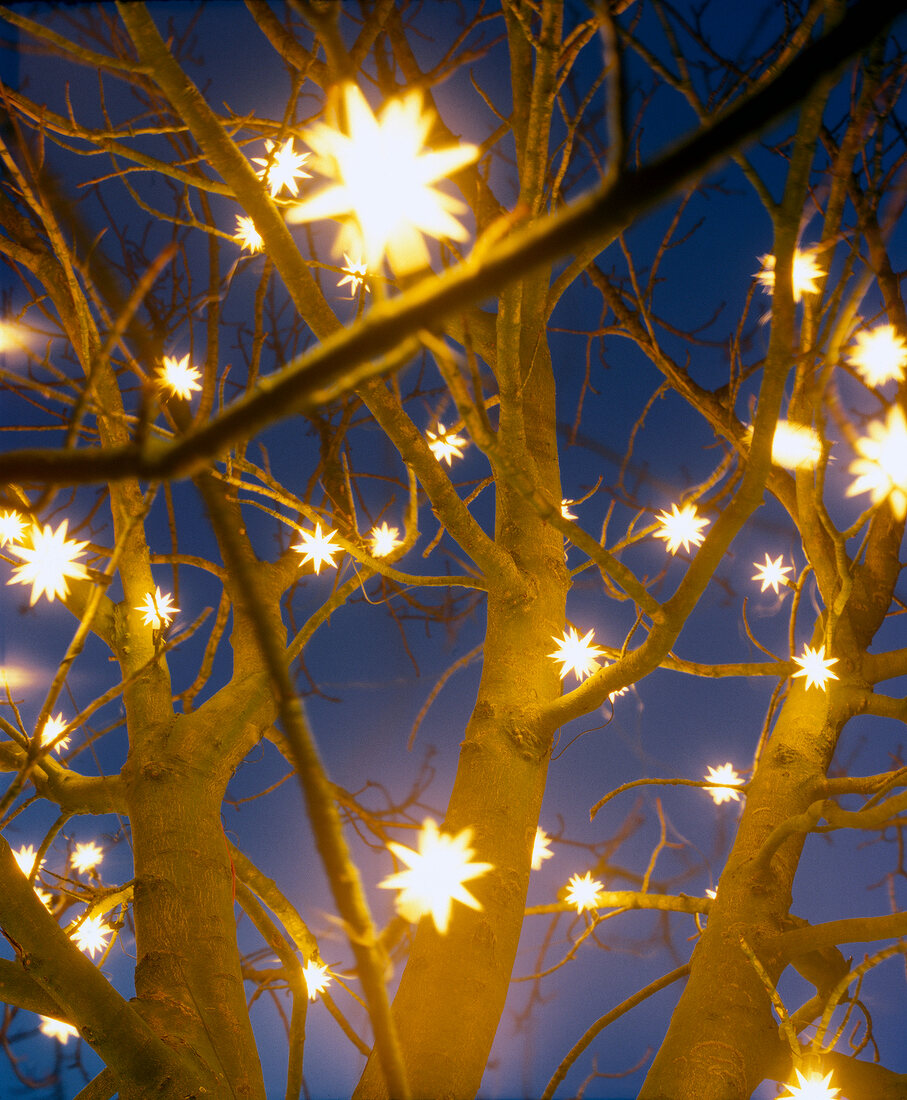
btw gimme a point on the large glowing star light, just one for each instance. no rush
(575, 654)
(584, 892)
(49, 561)
(384, 540)
(444, 445)
(383, 180)
(317, 547)
(157, 609)
(57, 1029)
(317, 978)
(882, 465)
(795, 446)
(247, 236)
(91, 935)
(727, 775)
(681, 527)
(436, 875)
(283, 168)
(177, 376)
(12, 528)
(815, 666)
(86, 857)
(811, 1087)
(53, 727)
(803, 276)
(880, 355)
(541, 848)
(771, 573)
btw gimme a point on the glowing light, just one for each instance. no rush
(158, 609)
(436, 875)
(12, 527)
(577, 655)
(355, 273)
(882, 466)
(880, 355)
(382, 182)
(795, 446)
(445, 446)
(317, 978)
(771, 573)
(384, 540)
(584, 892)
(815, 667)
(26, 857)
(728, 775)
(317, 547)
(91, 935)
(680, 528)
(46, 899)
(179, 377)
(53, 727)
(48, 562)
(811, 1087)
(57, 1029)
(247, 236)
(283, 168)
(565, 509)
(803, 276)
(711, 894)
(86, 857)
(541, 849)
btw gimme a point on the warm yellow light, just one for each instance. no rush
(882, 466)
(247, 236)
(53, 727)
(880, 355)
(436, 875)
(354, 275)
(541, 848)
(811, 1087)
(565, 509)
(575, 654)
(725, 774)
(771, 573)
(445, 445)
(86, 857)
(46, 899)
(48, 562)
(26, 857)
(584, 892)
(283, 168)
(803, 276)
(795, 446)
(12, 527)
(681, 527)
(317, 547)
(384, 540)
(57, 1029)
(317, 978)
(158, 609)
(382, 182)
(179, 377)
(711, 894)
(91, 935)
(815, 667)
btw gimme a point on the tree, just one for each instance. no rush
(162, 358)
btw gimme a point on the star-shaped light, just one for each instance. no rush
(882, 466)
(541, 848)
(803, 276)
(382, 177)
(575, 654)
(436, 875)
(445, 445)
(811, 1087)
(815, 667)
(709, 893)
(384, 540)
(49, 561)
(583, 892)
(354, 275)
(771, 573)
(157, 608)
(681, 527)
(880, 355)
(316, 546)
(26, 857)
(91, 935)
(728, 775)
(12, 528)
(795, 446)
(178, 376)
(283, 168)
(53, 727)
(46, 899)
(86, 857)
(57, 1029)
(247, 236)
(317, 978)
(565, 509)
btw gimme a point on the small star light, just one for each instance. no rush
(565, 509)
(882, 466)
(725, 774)
(382, 179)
(436, 875)
(354, 275)
(91, 935)
(541, 848)
(815, 667)
(48, 562)
(795, 446)
(709, 893)
(179, 377)
(811, 1087)
(771, 573)
(86, 857)
(26, 857)
(53, 727)
(880, 356)
(317, 547)
(384, 540)
(577, 655)
(317, 978)
(12, 528)
(680, 528)
(283, 168)
(247, 236)
(583, 892)
(804, 274)
(56, 1029)
(445, 445)
(157, 609)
